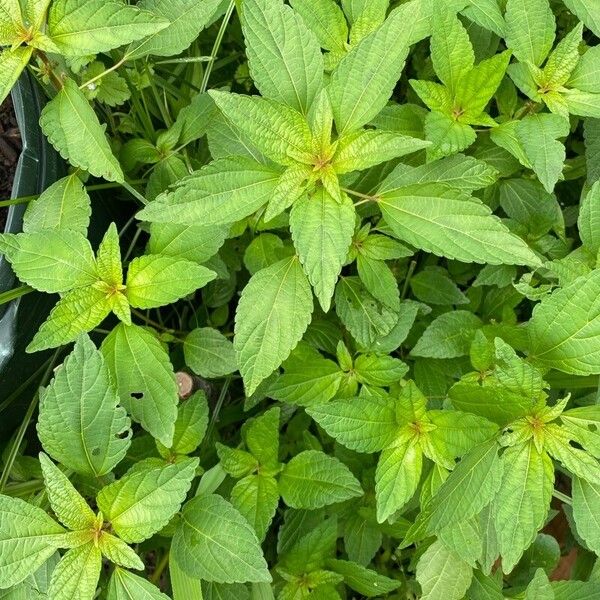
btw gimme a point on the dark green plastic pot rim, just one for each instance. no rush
(38, 167)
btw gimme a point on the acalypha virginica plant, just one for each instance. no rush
(342, 339)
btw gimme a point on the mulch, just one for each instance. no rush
(10, 149)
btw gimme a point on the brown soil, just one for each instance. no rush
(10, 149)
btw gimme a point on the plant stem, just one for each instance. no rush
(13, 294)
(218, 406)
(23, 489)
(89, 188)
(16, 444)
(9, 399)
(366, 197)
(216, 46)
(56, 80)
(409, 274)
(134, 193)
(155, 324)
(160, 567)
(106, 72)
(562, 497)
(185, 59)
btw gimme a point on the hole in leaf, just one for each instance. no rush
(137, 395)
(576, 445)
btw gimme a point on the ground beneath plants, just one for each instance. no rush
(10, 149)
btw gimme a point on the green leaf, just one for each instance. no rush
(582, 424)
(379, 280)
(73, 129)
(528, 203)
(67, 503)
(77, 312)
(510, 391)
(446, 134)
(131, 354)
(530, 28)
(363, 81)
(280, 132)
(326, 20)
(308, 380)
(408, 310)
(272, 315)
(379, 370)
(486, 13)
(77, 574)
(197, 243)
(452, 224)
(190, 426)
(236, 462)
(265, 250)
(436, 96)
(50, 261)
(464, 540)
(397, 477)
(183, 585)
(361, 313)
(262, 438)
(459, 172)
(563, 59)
(442, 574)
(313, 479)
(588, 12)
(12, 63)
(186, 20)
(322, 231)
(118, 552)
(364, 424)
(193, 120)
(83, 27)
(583, 104)
(154, 280)
(478, 85)
(256, 497)
(435, 287)
(283, 54)
(471, 486)
(222, 192)
(143, 501)
(80, 423)
(523, 500)
(564, 330)
(124, 585)
(108, 258)
(366, 148)
(362, 538)
(28, 537)
(10, 22)
(367, 582)
(451, 50)
(209, 353)
(588, 221)
(448, 336)
(63, 205)
(455, 434)
(586, 512)
(539, 588)
(209, 522)
(538, 136)
(586, 75)
(557, 442)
